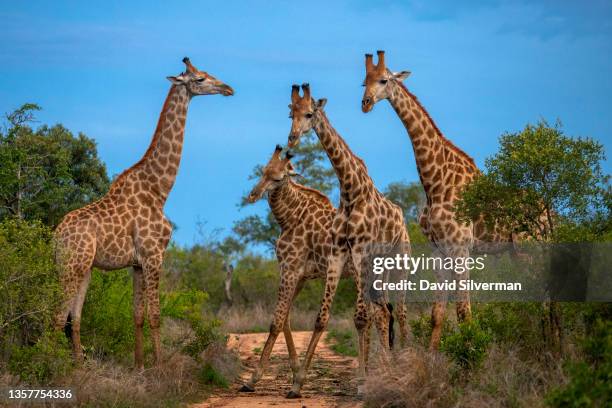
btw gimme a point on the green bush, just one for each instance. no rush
(467, 346)
(188, 306)
(210, 376)
(344, 342)
(421, 329)
(590, 382)
(50, 357)
(29, 286)
(107, 324)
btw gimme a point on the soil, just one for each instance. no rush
(330, 381)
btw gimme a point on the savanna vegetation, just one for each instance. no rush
(226, 283)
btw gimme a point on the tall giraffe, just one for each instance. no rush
(444, 170)
(305, 216)
(364, 217)
(127, 226)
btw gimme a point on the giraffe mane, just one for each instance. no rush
(446, 141)
(313, 192)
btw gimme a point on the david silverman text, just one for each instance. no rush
(463, 284)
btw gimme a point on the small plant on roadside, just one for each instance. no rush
(467, 346)
(210, 376)
(343, 342)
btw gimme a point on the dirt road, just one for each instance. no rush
(329, 383)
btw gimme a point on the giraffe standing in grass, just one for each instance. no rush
(364, 217)
(305, 216)
(127, 226)
(444, 170)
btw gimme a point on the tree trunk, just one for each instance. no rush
(229, 271)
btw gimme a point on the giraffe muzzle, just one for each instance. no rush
(227, 90)
(366, 104)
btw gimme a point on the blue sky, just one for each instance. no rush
(480, 68)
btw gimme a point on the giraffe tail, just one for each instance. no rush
(391, 324)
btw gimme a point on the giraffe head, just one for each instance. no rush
(378, 81)
(277, 171)
(200, 82)
(302, 111)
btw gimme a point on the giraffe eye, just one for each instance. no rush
(201, 80)
(383, 81)
(309, 115)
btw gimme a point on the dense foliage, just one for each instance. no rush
(45, 173)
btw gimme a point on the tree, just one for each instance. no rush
(539, 181)
(545, 184)
(312, 164)
(409, 196)
(47, 172)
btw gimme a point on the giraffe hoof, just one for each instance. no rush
(293, 395)
(247, 388)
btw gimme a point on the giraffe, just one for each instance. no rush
(443, 169)
(305, 216)
(127, 226)
(364, 217)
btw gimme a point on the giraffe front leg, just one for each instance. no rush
(334, 270)
(139, 316)
(285, 298)
(151, 268)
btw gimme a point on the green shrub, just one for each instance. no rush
(343, 342)
(107, 323)
(50, 357)
(210, 376)
(590, 382)
(29, 286)
(188, 306)
(467, 346)
(421, 329)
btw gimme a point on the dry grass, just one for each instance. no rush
(177, 380)
(257, 318)
(419, 378)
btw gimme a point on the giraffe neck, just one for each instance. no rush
(432, 150)
(157, 170)
(351, 171)
(285, 202)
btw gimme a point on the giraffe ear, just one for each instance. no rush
(321, 103)
(177, 80)
(400, 76)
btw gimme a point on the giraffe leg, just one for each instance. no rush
(75, 271)
(463, 305)
(401, 313)
(293, 357)
(75, 314)
(366, 344)
(286, 293)
(438, 312)
(366, 311)
(151, 269)
(334, 270)
(139, 317)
